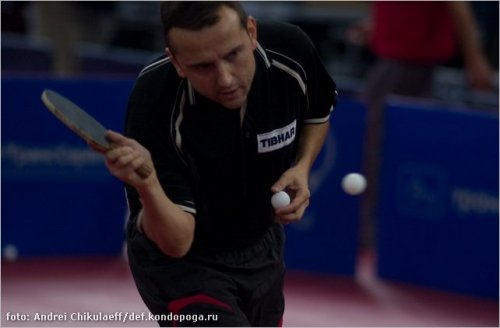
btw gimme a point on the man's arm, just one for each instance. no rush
(167, 225)
(170, 227)
(310, 144)
(296, 179)
(479, 71)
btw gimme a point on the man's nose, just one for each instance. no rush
(224, 78)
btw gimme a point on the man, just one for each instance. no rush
(231, 115)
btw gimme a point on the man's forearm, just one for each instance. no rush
(170, 227)
(310, 144)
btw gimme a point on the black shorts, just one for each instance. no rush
(237, 288)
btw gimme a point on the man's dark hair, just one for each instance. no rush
(195, 15)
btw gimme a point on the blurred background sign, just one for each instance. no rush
(438, 214)
(58, 198)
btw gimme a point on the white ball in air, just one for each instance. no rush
(354, 184)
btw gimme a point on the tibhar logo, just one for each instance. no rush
(277, 139)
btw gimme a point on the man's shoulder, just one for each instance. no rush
(282, 37)
(276, 28)
(154, 80)
(156, 69)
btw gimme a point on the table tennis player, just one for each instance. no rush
(236, 110)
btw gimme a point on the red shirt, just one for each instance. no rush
(415, 31)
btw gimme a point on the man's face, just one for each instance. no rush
(217, 60)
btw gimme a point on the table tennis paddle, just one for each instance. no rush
(83, 124)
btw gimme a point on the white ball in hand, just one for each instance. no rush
(354, 184)
(280, 199)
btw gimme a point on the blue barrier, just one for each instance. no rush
(58, 198)
(325, 240)
(438, 213)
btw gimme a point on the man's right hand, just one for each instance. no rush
(124, 160)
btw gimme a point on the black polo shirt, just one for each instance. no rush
(218, 165)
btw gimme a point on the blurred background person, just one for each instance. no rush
(66, 24)
(410, 40)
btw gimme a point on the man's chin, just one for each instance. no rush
(233, 104)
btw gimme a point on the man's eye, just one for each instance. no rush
(232, 55)
(203, 67)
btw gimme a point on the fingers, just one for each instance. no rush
(286, 180)
(119, 139)
(127, 159)
(300, 197)
(296, 215)
(294, 181)
(124, 161)
(278, 186)
(121, 156)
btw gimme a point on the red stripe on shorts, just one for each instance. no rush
(175, 307)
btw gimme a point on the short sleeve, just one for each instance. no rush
(148, 123)
(321, 88)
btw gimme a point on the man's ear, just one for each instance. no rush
(252, 30)
(175, 62)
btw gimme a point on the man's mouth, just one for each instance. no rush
(229, 93)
